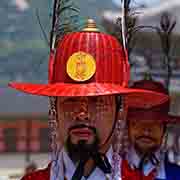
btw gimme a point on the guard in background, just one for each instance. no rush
(146, 158)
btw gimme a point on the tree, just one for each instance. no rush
(167, 24)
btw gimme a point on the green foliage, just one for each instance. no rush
(15, 47)
(68, 18)
(23, 50)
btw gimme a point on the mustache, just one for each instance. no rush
(79, 126)
(147, 137)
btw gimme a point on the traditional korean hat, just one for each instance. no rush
(85, 63)
(159, 112)
(89, 63)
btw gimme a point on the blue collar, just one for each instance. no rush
(133, 159)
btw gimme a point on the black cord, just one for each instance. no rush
(118, 106)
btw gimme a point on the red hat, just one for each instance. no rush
(159, 112)
(88, 63)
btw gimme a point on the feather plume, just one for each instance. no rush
(66, 19)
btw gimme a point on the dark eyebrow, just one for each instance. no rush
(94, 98)
(69, 99)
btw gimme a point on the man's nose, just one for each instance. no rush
(82, 116)
(147, 130)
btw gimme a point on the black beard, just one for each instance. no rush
(82, 150)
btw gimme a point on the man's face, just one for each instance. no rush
(85, 118)
(145, 135)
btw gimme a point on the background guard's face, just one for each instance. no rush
(96, 112)
(145, 135)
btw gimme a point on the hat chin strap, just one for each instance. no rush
(104, 146)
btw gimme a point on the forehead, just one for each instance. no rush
(148, 116)
(148, 122)
(109, 98)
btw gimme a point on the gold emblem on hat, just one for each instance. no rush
(81, 66)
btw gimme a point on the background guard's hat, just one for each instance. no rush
(159, 112)
(89, 63)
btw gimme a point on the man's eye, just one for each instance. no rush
(134, 124)
(70, 100)
(100, 103)
(69, 105)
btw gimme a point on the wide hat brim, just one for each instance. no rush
(162, 116)
(133, 96)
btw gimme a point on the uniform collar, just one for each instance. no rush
(69, 167)
(133, 160)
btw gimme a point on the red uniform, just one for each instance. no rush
(131, 174)
(43, 174)
(127, 174)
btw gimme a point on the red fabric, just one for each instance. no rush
(43, 174)
(152, 86)
(51, 65)
(159, 112)
(127, 174)
(111, 64)
(147, 115)
(130, 174)
(160, 116)
(111, 76)
(133, 96)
